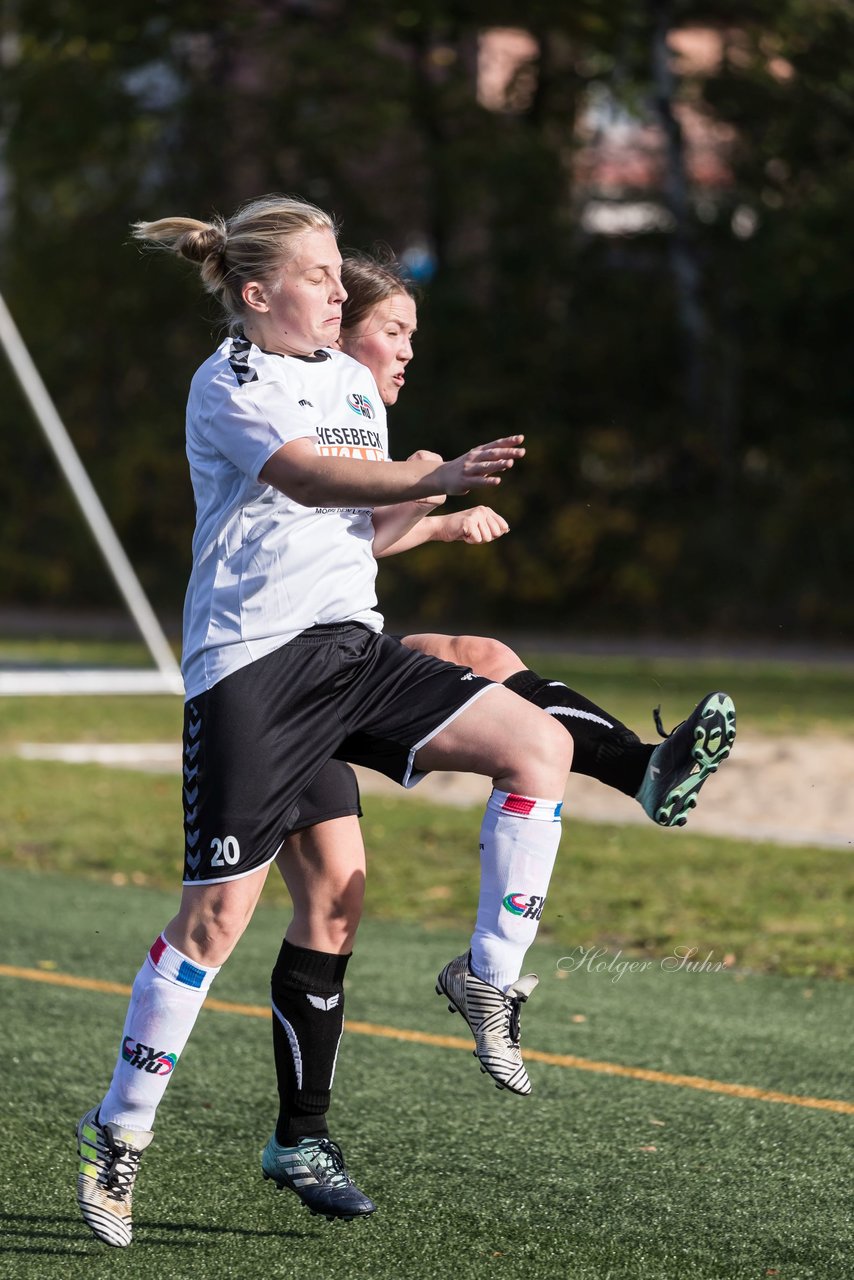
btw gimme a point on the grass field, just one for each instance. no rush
(637, 1155)
(780, 909)
(594, 1175)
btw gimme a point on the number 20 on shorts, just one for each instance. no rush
(226, 853)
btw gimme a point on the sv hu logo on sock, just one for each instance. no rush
(527, 905)
(155, 1061)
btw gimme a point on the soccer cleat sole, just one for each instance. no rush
(714, 736)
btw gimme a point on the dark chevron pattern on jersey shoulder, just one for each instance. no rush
(239, 360)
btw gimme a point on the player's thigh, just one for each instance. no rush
(485, 656)
(506, 738)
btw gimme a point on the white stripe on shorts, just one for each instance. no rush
(412, 777)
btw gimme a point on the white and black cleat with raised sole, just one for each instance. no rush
(493, 1016)
(109, 1162)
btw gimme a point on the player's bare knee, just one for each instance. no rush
(215, 938)
(353, 896)
(345, 908)
(209, 932)
(542, 756)
(559, 743)
(486, 657)
(327, 918)
(340, 934)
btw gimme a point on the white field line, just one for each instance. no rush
(58, 683)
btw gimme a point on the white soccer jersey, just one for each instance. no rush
(264, 567)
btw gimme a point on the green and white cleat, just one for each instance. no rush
(315, 1171)
(680, 765)
(109, 1162)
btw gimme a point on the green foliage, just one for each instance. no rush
(646, 500)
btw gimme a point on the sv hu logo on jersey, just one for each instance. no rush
(155, 1061)
(361, 405)
(527, 905)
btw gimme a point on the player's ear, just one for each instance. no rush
(254, 295)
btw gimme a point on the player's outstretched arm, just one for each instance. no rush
(404, 520)
(300, 472)
(475, 526)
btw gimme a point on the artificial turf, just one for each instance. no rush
(594, 1175)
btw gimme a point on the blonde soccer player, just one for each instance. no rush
(285, 665)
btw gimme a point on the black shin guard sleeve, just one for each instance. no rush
(307, 991)
(604, 748)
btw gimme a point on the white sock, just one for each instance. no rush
(518, 845)
(168, 993)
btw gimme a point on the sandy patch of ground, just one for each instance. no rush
(787, 790)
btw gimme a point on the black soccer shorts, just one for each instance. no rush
(334, 793)
(255, 741)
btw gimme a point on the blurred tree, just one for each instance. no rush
(684, 386)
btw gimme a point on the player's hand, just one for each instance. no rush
(479, 524)
(481, 466)
(425, 455)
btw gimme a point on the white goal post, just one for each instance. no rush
(167, 676)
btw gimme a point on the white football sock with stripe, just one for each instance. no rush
(168, 993)
(519, 840)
